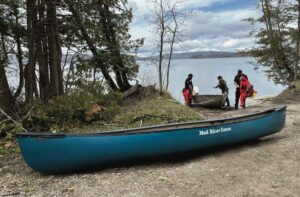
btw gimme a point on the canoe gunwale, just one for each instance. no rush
(160, 128)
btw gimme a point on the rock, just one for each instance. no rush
(162, 178)
(71, 189)
(5, 167)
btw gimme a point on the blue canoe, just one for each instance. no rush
(60, 153)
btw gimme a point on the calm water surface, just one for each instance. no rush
(205, 73)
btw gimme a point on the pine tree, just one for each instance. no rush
(103, 25)
(12, 35)
(278, 40)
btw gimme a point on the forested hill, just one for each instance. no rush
(199, 55)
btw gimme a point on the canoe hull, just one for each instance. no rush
(64, 153)
(207, 101)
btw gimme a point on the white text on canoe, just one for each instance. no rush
(214, 131)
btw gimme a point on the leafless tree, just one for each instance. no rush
(168, 19)
(297, 51)
(178, 18)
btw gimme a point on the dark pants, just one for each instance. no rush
(190, 100)
(237, 98)
(225, 99)
(227, 102)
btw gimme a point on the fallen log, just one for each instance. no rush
(132, 91)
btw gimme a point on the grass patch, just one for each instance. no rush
(68, 113)
(157, 110)
(147, 108)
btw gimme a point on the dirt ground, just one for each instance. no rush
(266, 167)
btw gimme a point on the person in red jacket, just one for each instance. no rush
(237, 85)
(188, 90)
(244, 90)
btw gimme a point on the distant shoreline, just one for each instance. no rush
(149, 59)
(200, 55)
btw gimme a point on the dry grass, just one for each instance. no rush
(154, 110)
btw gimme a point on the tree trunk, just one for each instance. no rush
(161, 46)
(53, 45)
(45, 54)
(20, 62)
(35, 87)
(113, 45)
(6, 99)
(160, 61)
(60, 72)
(91, 46)
(296, 69)
(170, 59)
(30, 67)
(43, 63)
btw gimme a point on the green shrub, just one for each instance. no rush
(59, 113)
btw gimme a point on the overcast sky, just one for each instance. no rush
(215, 25)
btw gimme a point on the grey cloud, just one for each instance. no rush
(213, 25)
(214, 31)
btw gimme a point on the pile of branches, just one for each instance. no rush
(12, 122)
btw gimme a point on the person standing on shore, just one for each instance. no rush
(188, 90)
(224, 88)
(237, 85)
(244, 90)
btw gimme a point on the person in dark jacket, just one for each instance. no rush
(224, 88)
(188, 90)
(237, 85)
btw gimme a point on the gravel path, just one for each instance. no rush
(266, 167)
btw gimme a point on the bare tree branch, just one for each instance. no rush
(168, 19)
(14, 121)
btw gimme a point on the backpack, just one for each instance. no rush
(251, 90)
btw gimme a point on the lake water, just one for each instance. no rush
(205, 73)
